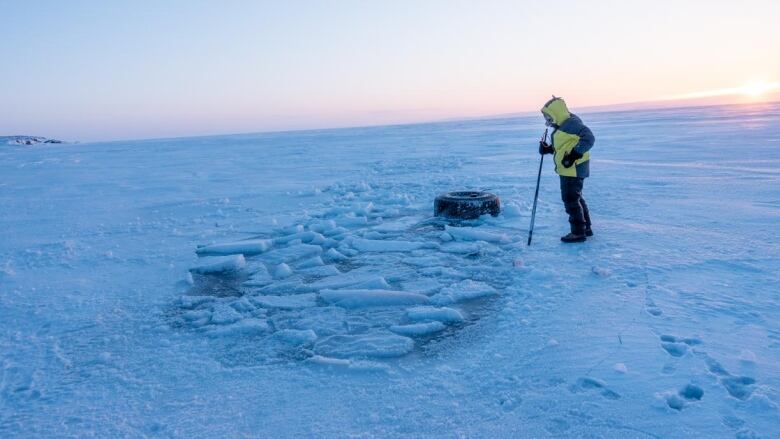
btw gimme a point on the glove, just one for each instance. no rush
(569, 159)
(545, 148)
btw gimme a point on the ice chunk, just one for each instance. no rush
(196, 315)
(311, 262)
(242, 305)
(470, 248)
(352, 221)
(398, 225)
(336, 232)
(194, 301)
(251, 326)
(462, 291)
(322, 226)
(219, 264)
(380, 344)
(418, 329)
(424, 285)
(324, 320)
(472, 234)
(292, 253)
(247, 247)
(369, 298)
(282, 271)
(286, 302)
(224, 314)
(444, 314)
(286, 287)
(352, 279)
(307, 237)
(371, 245)
(423, 261)
(323, 271)
(259, 278)
(328, 361)
(441, 272)
(289, 230)
(296, 336)
(334, 255)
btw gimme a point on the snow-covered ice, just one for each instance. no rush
(296, 285)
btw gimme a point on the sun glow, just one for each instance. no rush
(753, 89)
(757, 88)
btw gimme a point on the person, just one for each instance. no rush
(570, 144)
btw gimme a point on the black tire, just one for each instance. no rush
(466, 204)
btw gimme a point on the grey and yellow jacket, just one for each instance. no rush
(569, 133)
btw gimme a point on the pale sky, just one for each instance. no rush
(99, 70)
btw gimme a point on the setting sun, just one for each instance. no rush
(753, 89)
(758, 88)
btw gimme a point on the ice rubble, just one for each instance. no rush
(398, 282)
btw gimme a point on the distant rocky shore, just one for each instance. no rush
(27, 140)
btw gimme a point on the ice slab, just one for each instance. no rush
(286, 302)
(324, 320)
(398, 225)
(219, 264)
(373, 245)
(259, 278)
(194, 301)
(250, 326)
(369, 298)
(443, 314)
(380, 344)
(322, 271)
(311, 262)
(424, 285)
(473, 234)
(351, 279)
(463, 291)
(321, 226)
(291, 254)
(282, 271)
(224, 314)
(247, 247)
(291, 286)
(296, 336)
(335, 256)
(309, 237)
(418, 329)
(470, 248)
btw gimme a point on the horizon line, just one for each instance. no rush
(659, 104)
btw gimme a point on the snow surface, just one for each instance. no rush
(296, 285)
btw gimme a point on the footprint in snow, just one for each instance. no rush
(688, 394)
(676, 346)
(588, 384)
(740, 387)
(652, 308)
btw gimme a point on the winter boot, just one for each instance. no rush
(571, 237)
(588, 232)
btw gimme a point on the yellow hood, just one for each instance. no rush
(556, 109)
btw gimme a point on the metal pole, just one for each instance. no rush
(536, 195)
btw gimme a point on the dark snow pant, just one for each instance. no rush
(571, 193)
